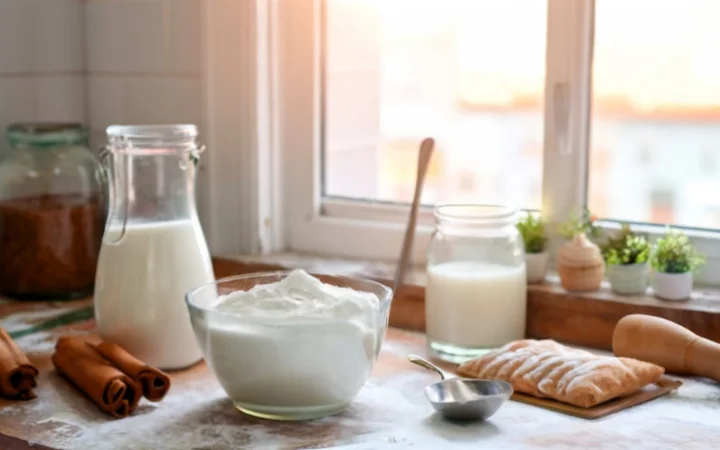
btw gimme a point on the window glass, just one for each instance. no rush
(469, 73)
(656, 112)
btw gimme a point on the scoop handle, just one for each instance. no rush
(425, 364)
(667, 344)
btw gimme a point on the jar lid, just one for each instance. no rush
(470, 213)
(47, 134)
(153, 131)
(154, 136)
(470, 217)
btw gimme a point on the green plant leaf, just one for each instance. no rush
(674, 253)
(532, 230)
(580, 223)
(195, 158)
(626, 247)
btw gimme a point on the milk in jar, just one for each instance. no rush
(140, 289)
(476, 282)
(153, 250)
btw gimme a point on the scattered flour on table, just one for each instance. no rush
(41, 342)
(389, 413)
(404, 347)
(23, 320)
(197, 415)
(679, 421)
(393, 412)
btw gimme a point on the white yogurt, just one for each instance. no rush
(294, 343)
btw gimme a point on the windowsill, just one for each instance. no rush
(337, 266)
(577, 318)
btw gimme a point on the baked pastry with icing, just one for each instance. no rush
(580, 265)
(547, 369)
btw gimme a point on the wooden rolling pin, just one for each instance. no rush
(666, 344)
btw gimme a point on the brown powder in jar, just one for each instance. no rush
(49, 245)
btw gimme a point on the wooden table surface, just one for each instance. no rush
(389, 413)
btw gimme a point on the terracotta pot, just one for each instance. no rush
(672, 286)
(536, 265)
(580, 265)
(581, 279)
(628, 278)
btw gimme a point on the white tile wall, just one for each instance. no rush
(106, 103)
(149, 75)
(144, 64)
(183, 50)
(124, 36)
(41, 62)
(17, 101)
(41, 36)
(16, 55)
(60, 97)
(42, 98)
(102, 62)
(57, 35)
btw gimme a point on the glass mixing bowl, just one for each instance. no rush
(282, 366)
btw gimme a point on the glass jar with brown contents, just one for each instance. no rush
(52, 212)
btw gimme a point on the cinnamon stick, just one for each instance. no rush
(109, 388)
(17, 374)
(154, 382)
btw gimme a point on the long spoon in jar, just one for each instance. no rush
(426, 149)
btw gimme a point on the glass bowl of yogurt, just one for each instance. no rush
(290, 345)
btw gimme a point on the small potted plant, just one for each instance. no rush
(579, 262)
(626, 256)
(532, 230)
(583, 223)
(673, 259)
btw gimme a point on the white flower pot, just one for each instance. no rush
(672, 286)
(628, 278)
(536, 266)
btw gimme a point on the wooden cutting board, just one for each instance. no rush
(663, 386)
(650, 392)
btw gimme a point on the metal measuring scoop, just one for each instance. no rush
(464, 399)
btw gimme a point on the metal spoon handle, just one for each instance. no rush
(425, 364)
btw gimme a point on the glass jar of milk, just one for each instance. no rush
(476, 292)
(153, 250)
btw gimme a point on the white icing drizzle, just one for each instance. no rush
(548, 369)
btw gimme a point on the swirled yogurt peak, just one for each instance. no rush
(300, 295)
(295, 346)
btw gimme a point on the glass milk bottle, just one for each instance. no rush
(476, 293)
(153, 248)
